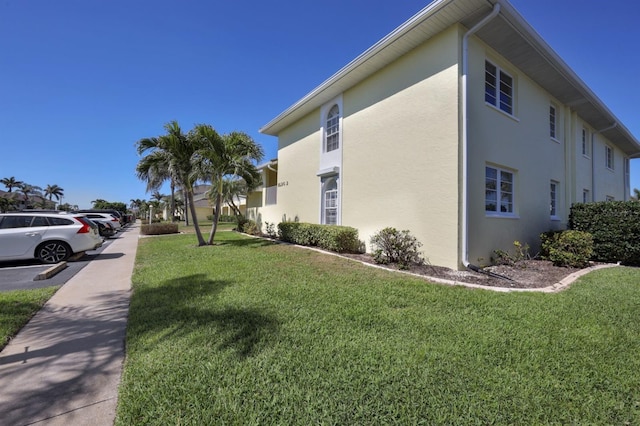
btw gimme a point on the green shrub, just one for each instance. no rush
(501, 257)
(341, 239)
(615, 226)
(159, 228)
(251, 228)
(270, 229)
(393, 246)
(567, 248)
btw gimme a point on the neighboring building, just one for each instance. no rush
(462, 126)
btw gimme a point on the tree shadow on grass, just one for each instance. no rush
(247, 242)
(179, 307)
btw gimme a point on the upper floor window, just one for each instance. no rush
(332, 130)
(585, 142)
(552, 121)
(609, 157)
(498, 88)
(586, 196)
(498, 192)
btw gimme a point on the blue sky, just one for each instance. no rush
(82, 80)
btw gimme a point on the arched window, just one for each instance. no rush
(332, 130)
(330, 201)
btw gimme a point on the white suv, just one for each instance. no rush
(48, 237)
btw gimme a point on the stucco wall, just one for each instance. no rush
(400, 153)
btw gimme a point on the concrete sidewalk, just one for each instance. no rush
(64, 366)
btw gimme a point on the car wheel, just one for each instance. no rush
(53, 252)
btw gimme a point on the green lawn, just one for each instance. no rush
(252, 333)
(17, 308)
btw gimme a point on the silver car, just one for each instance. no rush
(48, 237)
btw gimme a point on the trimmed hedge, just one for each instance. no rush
(341, 239)
(159, 228)
(567, 248)
(615, 226)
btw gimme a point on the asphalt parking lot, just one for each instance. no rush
(22, 275)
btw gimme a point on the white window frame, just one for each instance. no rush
(554, 189)
(586, 196)
(330, 200)
(493, 91)
(609, 157)
(553, 122)
(585, 142)
(332, 129)
(501, 190)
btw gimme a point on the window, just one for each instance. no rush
(330, 200)
(609, 157)
(498, 88)
(586, 196)
(498, 191)
(585, 142)
(552, 121)
(609, 198)
(553, 200)
(332, 131)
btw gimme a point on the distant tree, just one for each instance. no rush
(11, 183)
(29, 193)
(53, 191)
(636, 194)
(7, 204)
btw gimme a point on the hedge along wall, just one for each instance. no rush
(342, 239)
(615, 226)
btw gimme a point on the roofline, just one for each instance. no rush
(323, 93)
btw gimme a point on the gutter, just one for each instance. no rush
(464, 247)
(593, 158)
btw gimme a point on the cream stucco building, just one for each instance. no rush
(462, 126)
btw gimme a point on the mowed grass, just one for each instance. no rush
(248, 332)
(17, 308)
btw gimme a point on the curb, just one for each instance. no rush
(51, 271)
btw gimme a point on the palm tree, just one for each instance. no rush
(232, 154)
(11, 183)
(155, 168)
(53, 191)
(174, 153)
(28, 191)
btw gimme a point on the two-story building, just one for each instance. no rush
(462, 126)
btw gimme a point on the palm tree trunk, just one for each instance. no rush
(194, 217)
(216, 216)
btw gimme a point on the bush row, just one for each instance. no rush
(341, 239)
(159, 228)
(567, 248)
(615, 226)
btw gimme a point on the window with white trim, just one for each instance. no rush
(586, 196)
(498, 88)
(330, 200)
(609, 157)
(609, 198)
(553, 199)
(332, 129)
(499, 191)
(552, 121)
(585, 142)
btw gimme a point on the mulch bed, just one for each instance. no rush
(532, 273)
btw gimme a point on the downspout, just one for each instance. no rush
(593, 158)
(464, 248)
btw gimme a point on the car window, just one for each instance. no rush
(56, 221)
(19, 221)
(39, 221)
